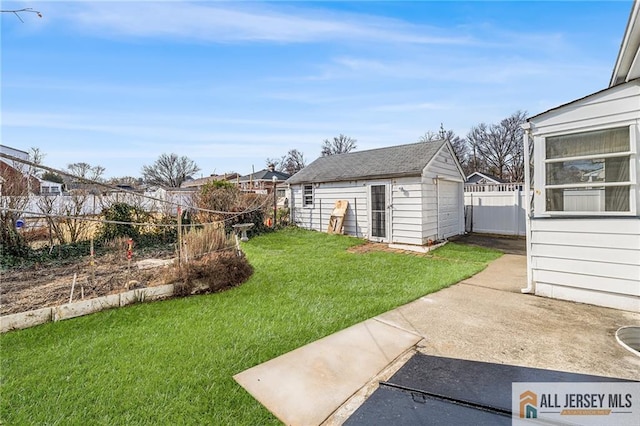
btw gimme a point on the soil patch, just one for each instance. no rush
(49, 285)
(503, 243)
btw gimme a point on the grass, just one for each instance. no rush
(172, 362)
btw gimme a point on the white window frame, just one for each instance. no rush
(631, 183)
(305, 195)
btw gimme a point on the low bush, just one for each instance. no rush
(212, 273)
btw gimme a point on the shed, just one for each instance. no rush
(404, 195)
(584, 228)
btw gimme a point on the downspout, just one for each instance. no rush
(527, 204)
(437, 209)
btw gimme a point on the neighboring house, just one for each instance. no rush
(50, 188)
(15, 174)
(406, 194)
(263, 182)
(200, 182)
(584, 228)
(477, 178)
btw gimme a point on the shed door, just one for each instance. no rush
(379, 212)
(448, 208)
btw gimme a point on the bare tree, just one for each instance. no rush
(294, 162)
(36, 156)
(339, 145)
(64, 216)
(25, 10)
(86, 171)
(497, 148)
(169, 170)
(291, 163)
(278, 163)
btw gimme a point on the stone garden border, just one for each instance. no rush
(28, 319)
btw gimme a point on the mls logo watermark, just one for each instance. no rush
(588, 403)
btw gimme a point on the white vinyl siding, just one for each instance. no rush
(316, 217)
(406, 211)
(588, 260)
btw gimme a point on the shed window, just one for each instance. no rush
(588, 172)
(308, 196)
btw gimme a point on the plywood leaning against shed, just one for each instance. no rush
(336, 222)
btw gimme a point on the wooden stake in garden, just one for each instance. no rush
(129, 254)
(92, 263)
(73, 285)
(179, 235)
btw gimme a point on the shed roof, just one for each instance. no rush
(389, 162)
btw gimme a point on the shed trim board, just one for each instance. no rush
(413, 196)
(589, 255)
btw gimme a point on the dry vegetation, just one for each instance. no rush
(211, 264)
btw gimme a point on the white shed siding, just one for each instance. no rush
(325, 195)
(442, 168)
(406, 211)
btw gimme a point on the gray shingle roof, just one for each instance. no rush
(393, 161)
(265, 174)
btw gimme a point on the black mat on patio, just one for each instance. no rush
(431, 390)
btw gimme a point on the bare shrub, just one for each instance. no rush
(212, 273)
(210, 238)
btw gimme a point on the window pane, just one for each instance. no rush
(378, 225)
(377, 197)
(588, 143)
(595, 170)
(308, 195)
(597, 199)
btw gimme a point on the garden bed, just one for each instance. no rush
(47, 285)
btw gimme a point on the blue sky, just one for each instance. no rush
(229, 84)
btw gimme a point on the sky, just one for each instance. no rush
(230, 84)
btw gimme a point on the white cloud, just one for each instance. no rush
(245, 21)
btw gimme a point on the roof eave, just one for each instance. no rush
(357, 178)
(627, 65)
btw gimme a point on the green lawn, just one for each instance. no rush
(172, 362)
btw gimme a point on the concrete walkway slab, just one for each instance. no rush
(305, 386)
(507, 273)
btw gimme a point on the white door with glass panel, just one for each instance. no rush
(379, 212)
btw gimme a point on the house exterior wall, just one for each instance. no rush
(443, 167)
(588, 258)
(594, 260)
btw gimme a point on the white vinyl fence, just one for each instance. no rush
(91, 205)
(495, 212)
